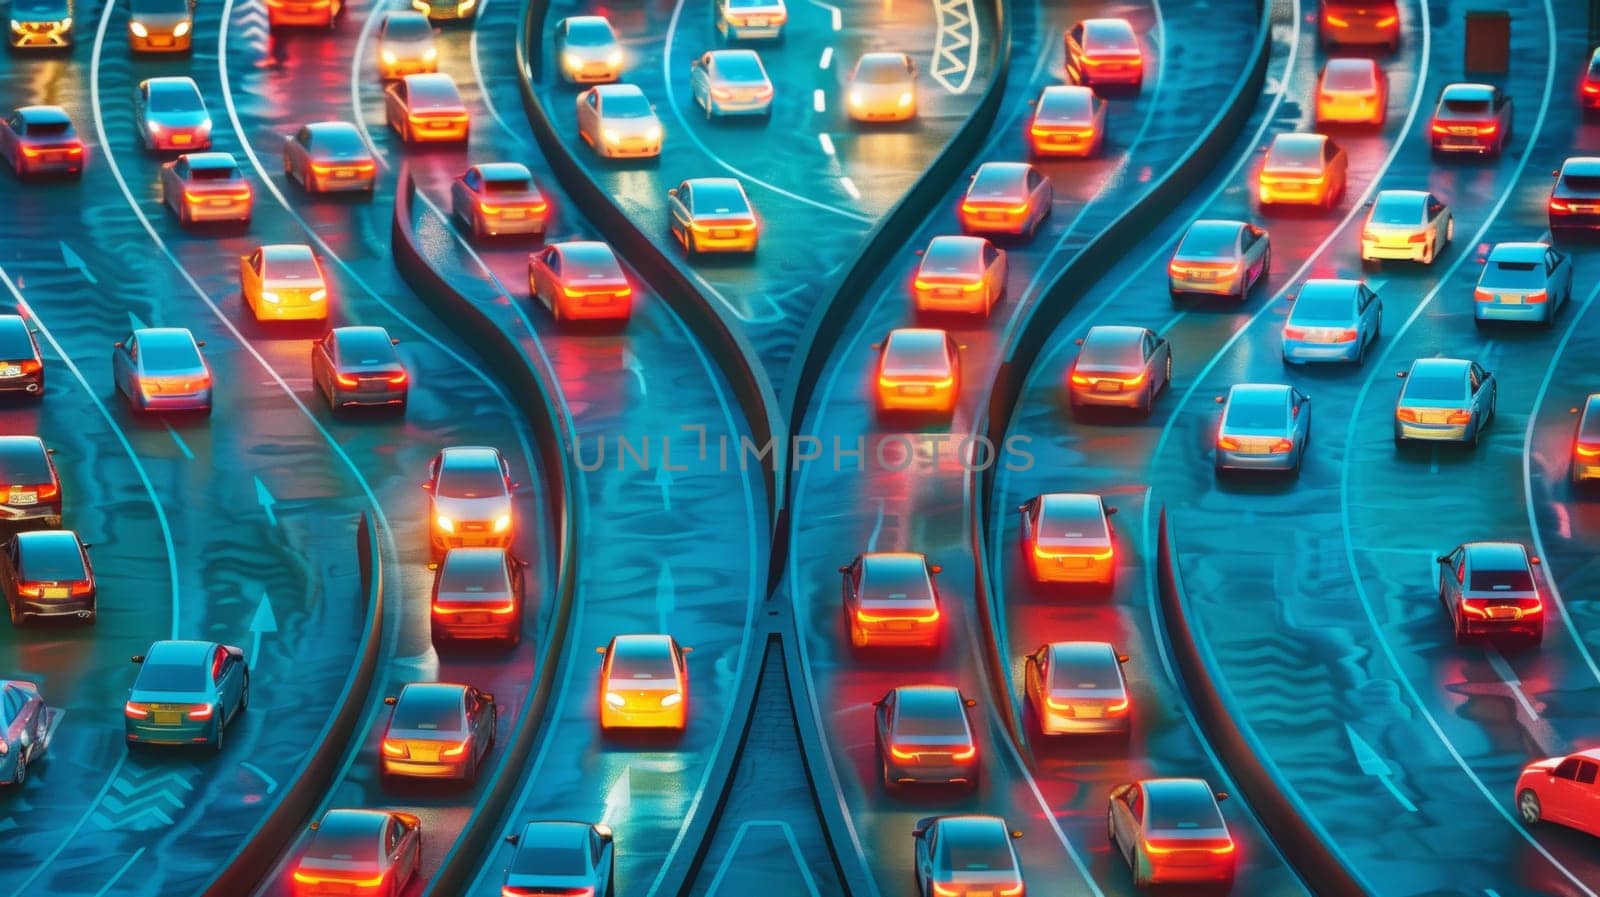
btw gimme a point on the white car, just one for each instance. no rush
(751, 19)
(618, 122)
(1411, 225)
(588, 49)
(883, 87)
(731, 82)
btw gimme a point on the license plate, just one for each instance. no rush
(980, 894)
(1089, 712)
(994, 216)
(514, 213)
(1324, 338)
(756, 22)
(472, 527)
(1457, 144)
(344, 172)
(949, 292)
(915, 390)
(1203, 275)
(182, 139)
(55, 592)
(1107, 386)
(54, 157)
(168, 717)
(221, 203)
(1060, 138)
(23, 498)
(1502, 613)
(596, 299)
(438, 124)
(160, 41)
(1510, 299)
(1074, 562)
(10, 370)
(723, 233)
(426, 755)
(900, 625)
(474, 618)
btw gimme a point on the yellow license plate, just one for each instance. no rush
(182, 139)
(168, 717)
(724, 233)
(55, 592)
(1510, 300)
(23, 498)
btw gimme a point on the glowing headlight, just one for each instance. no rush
(319, 295)
(654, 133)
(420, 6)
(430, 54)
(388, 57)
(905, 99)
(16, 26)
(269, 296)
(65, 23)
(445, 523)
(672, 700)
(466, 6)
(502, 523)
(181, 29)
(615, 58)
(855, 98)
(138, 29)
(616, 700)
(572, 60)
(610, 135)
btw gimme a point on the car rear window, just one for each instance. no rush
(508, 185)
(1465, 108)
(744, 67)
(595, 263)
(915, 354)
(338, 140)
(171, 677)
(407, 28)
(952, 256)
(998, 180)
(1208, 242)
(1187, 809)
(24, 464)
(1113, 352)
(14, 341)
(718, 199)
(1106, 36)
(1513, 274)
(557, 860)
(218, 173)
(1321, 307)
(175, 98)
(988, 855)
(52, 559)
(1085, 674)
(473, 574)
(343, 846)
(365, 347)
(1440, 387)
(1295, 154)
(294, 266)
(1348, 77)
(894, 580)
(1578, 183)
(1500, 581)
(1071, 523)
(935, 715)
(428, 711)
(641, 662)
(434, 95)
(1399, 210)
(49, 129)
(1256, 414)
(1066, 105)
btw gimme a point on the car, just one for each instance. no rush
(200, 187)
(1067, 120)
(889, 600)
(1589, 87)
(41, 24)
(965, 855)
(1359, 23)
(478, 593)
(1411, 225)
(359, 851)
(1222, 258)
(713, 215)
(30, 487)
(1585, 467)
(1077, 688)
(1104, 52)
(1523, 282)
(919, 369)
(1119, 367)
(1066, 537)
(1352, 90)
(1488, 589)
(730, 82)
(161, 369)
(751, 19)
(46, 573)
(426, 108)
(1006, 198)
(618, 122)
(561, 858)
(924, 738)
(406, 45)
(186, 692)
(446, 10)
(160, 26)
(644, 683)
(25, 729)
(304, 13)
(283, 282)
(1332, 320)
(469, 499)
(589, 50)
(438, 730)
(170, 114)
(959, 274)
(329, 157)
(1574, 198)
(1265, 426)
(1444, 400)
(580, 279)
(1562, 790)
(1303, 170)
(493, 199)
(41, 140)
(1171, 831)
(1471, 118)
(358, 366)
(882, 88)
(21, 365)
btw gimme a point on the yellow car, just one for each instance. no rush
(283, 282)
(713, 215)
(644, 683)
(426, 108)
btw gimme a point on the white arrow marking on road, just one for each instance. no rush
(263, 621)
(664, 480)
(75, 261)
(666, 597)
(272, 783)
(635, 367)
(1373, 765)
(267, 501)
(620, 795)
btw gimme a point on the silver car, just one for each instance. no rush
(618, 122)
(588, 50)
(438, 730)
(1586, 443)
(1410, 225)
(883, 87)
(171, 115)
(1332, 320)
(1222, 258)
(731, 82)
(469, 487)
(1444, 399)
(562, 858)
(1523, 282)
(1488, 589)
(751, 19)
(25, 729)
(1264, 427)
(1121, 367)
(967, 855)
(161, 369)
(1077, 688)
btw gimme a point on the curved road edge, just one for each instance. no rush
(1303, 841)
(247, 868)
(825, 327)
(733, 353)
(1027, 338)
(533, 388)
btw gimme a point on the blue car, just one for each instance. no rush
(1265, 426)
(1444, 400)
(1523, 282)
(161, 369)
(1332, 320)
(186, 693)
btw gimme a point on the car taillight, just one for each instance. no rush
(1479, 294)
(1344, 336)
(1459, 417)
(1536, 298)
(966, 753)
(1294, 332)
(310, 878)
(454, 750)
(1586, 450)
(81, 587)
(1591, 89)
(1335, 21)
(1405, 414)
(1417, 238)
(1011, 891)
(1440, 129)
(1386, 21)
(30, 589)
(1557, 205)
(1227, 442)
(1477, 607)
(1165, 847)
(30, 367)
(864, 617)
(509, 891)
(135, 711)
(1119, 707)
(200, 711)
(720, 94)
(398, 749)
(902, 755)
(1281, 446)
(47, 490)
(940, 890)
(398, 378)
(348, 381)
(1487, 130)
(971, 209)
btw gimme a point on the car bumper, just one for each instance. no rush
(670, 718)
(630, 150)
(1502, 311)
(446, 541)
(1071, 570)
(1462, 144)
(1054, 723)
(591, 73)
(64, 166)
(503, 225)
(1291, 195)
(194, 732)
(419, 769)
(1237, 460)
(1360, 35)
(935, 300)
(229, 211)
(449, 13)
(1584, 472)
(343, 398)
(195, 401)
(1365, 113)
(605, 309)
(1130, 76)
(1411, 252)
(29, 383)
(753, 32)
(1200, 871)
(882, 635)
(741, 107)
(36, 40)
(354, 183)
(952, 774)
(313, 311)
(934, 401)
(394, 71)
(48, 515)
(1120, 397)
(159, 43)
(1004, 223)
(477, 626)
(705, 242)
(81, 607)
(1491, 628)
(455, 133)
(1432, 432)
(883, 115)
(1062, 145)
(1590, 220)
(1232, 286)
(1298, 350)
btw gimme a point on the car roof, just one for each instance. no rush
(916, 337)
(1073, 503)
(1009, 169)
(1401, 195)
(1216, 224)
(1067, 90)
(436, 82)
(458, 559)
(1497, 555)
(1106, 24)
(974, 827)
(210, 160)
(586, 20)
(164, 337)
(404, 15)
(171, 82)
(1330, 285)
(469, 456)
(1518, 252)
(883, 58)
(180, 651)
(1467, 91)
(735, 52)
(325, 128)
(1440, 367)
(1583, 166)
(715, 182)
(360, 330)
(503, 171)
(42, 114)
(1259, 393)
(13, 322)
(1081, 651)
(1352, 64)
(1156, 789)
(1590, 754)
(1114, 335)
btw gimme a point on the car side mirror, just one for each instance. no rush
(86, 544)
(935, 569)
(1295, 411)
(394, 342)
(1291, 298)
(432, 565)
(1222, 795)
(969, 702)
(878, 703)
(1572, 411)
(919, 833)
(1122, 658)
(314, 826)
(487, 698)
(917, 252)
(49, 451)
(391, 700)
(1022, 508)
(1221, 399)
(1555, 174)
(877, 347)
(687, 650)
(603, 830)
(1443, 559)
(118, 344)
(200, 342)
(513, 838)
(1016, 835)
(844, 568)
(1111, 512)
(427, 487)
(1400, 374)
(600, 650)
(411, 820)
(961, 346)
(1534, 561)
(137, 658)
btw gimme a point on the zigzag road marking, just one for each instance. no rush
(958, 30)
(137, 797)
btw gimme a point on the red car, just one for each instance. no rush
(1359, 23)
(1575, 196)
(1589, 89)
(1104, 52)
(1562, 790)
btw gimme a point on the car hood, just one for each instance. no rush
(472, 509)
(162, 21)
(590, 52)
(630, 127)
(874, 91)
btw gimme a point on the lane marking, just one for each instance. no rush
(827, 58)
(1372, 764)
(824, 139)
(182, 446)
(838, 17)
(877, 528)
(819, 102)
(850, 187)
(738, 839)
(120, 872)
(958, 30)
(484, 93)
(1504, 671)
(272, 784)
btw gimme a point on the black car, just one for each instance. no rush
(21, 367)
(46, 573)
(30, 488)
(561, 858)
(359, 366)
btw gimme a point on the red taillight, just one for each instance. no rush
(940, 890)
(397, 749)
(348, 381)
(1440, 129)
(1557, 205)
(1586, 450)
(200, 711)
(1405, 414)
(46, 490)
(326, 168)
(1386, 21)
(454, 750)
(864, 617)
(1282, 445)
(311, 878)
(1591, 89)
(1459, 417)
(1081, 380)
(1335, 21)
(1417, 238)
(1344, 336)
(81, 587)
(966, 753)
(1165, 847)
(1536, 298)
(1487, 130)
(1293, 332)
(1227, 443)
(509, 891)
(1119, 707)
(1479, 294)
(398, 379)
(902, 755)
(135, 711)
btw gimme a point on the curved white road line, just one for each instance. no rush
(957, 30)
(483, 86)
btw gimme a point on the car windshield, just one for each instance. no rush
(1348, 77)
(175, 98)
(895, 579)
(1594, 66)
(750, 4)
(976, 855)
(627, 105)
(171, 677)
(433, 712)
(589, 33)
(168, 354)
(1189, 808)
(1066, 105)
(1085, 673)
(53, 559)
(408, 29)
(1470, 107)
(435, 95)
(292, 266)
(952, 257)
(1577, 183)
(1113, 352)
(1436, 387)
(49, 129)
(1501, 581)
(882, 71)
(1322, 306)
(930, 715)
(471, 481)
(1513, 275)
(1256, 413)
(473, 574)
(998, 180)
(916, 353)
(1399, 210)
(641, 661)
(343, 846)
(593, 263)
(1101, 37)
(539, 859)
(718, 199)
(1295, 154)
(217, 173)
(1071, 523)
(741, 67)
(507, 185)
(1208, 242)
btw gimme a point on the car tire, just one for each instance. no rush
(1529, 808)
(244, 695)
(217, 740)
(1141, 870)
(21, 775)
(17, 616)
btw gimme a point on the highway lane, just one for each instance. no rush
(808, 171)
(689, 540)
(922, 508)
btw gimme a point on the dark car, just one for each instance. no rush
(1575, 196)
(21, 367)
(41, 140)
(1471, 118)
(30, 488)
(438, 731)
(1488, 588)
(890, 600)
(967, 855)
(924, 737)
(187, 692)
(478, 593)
(561, 858)
(46, 573)
(359, 366)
